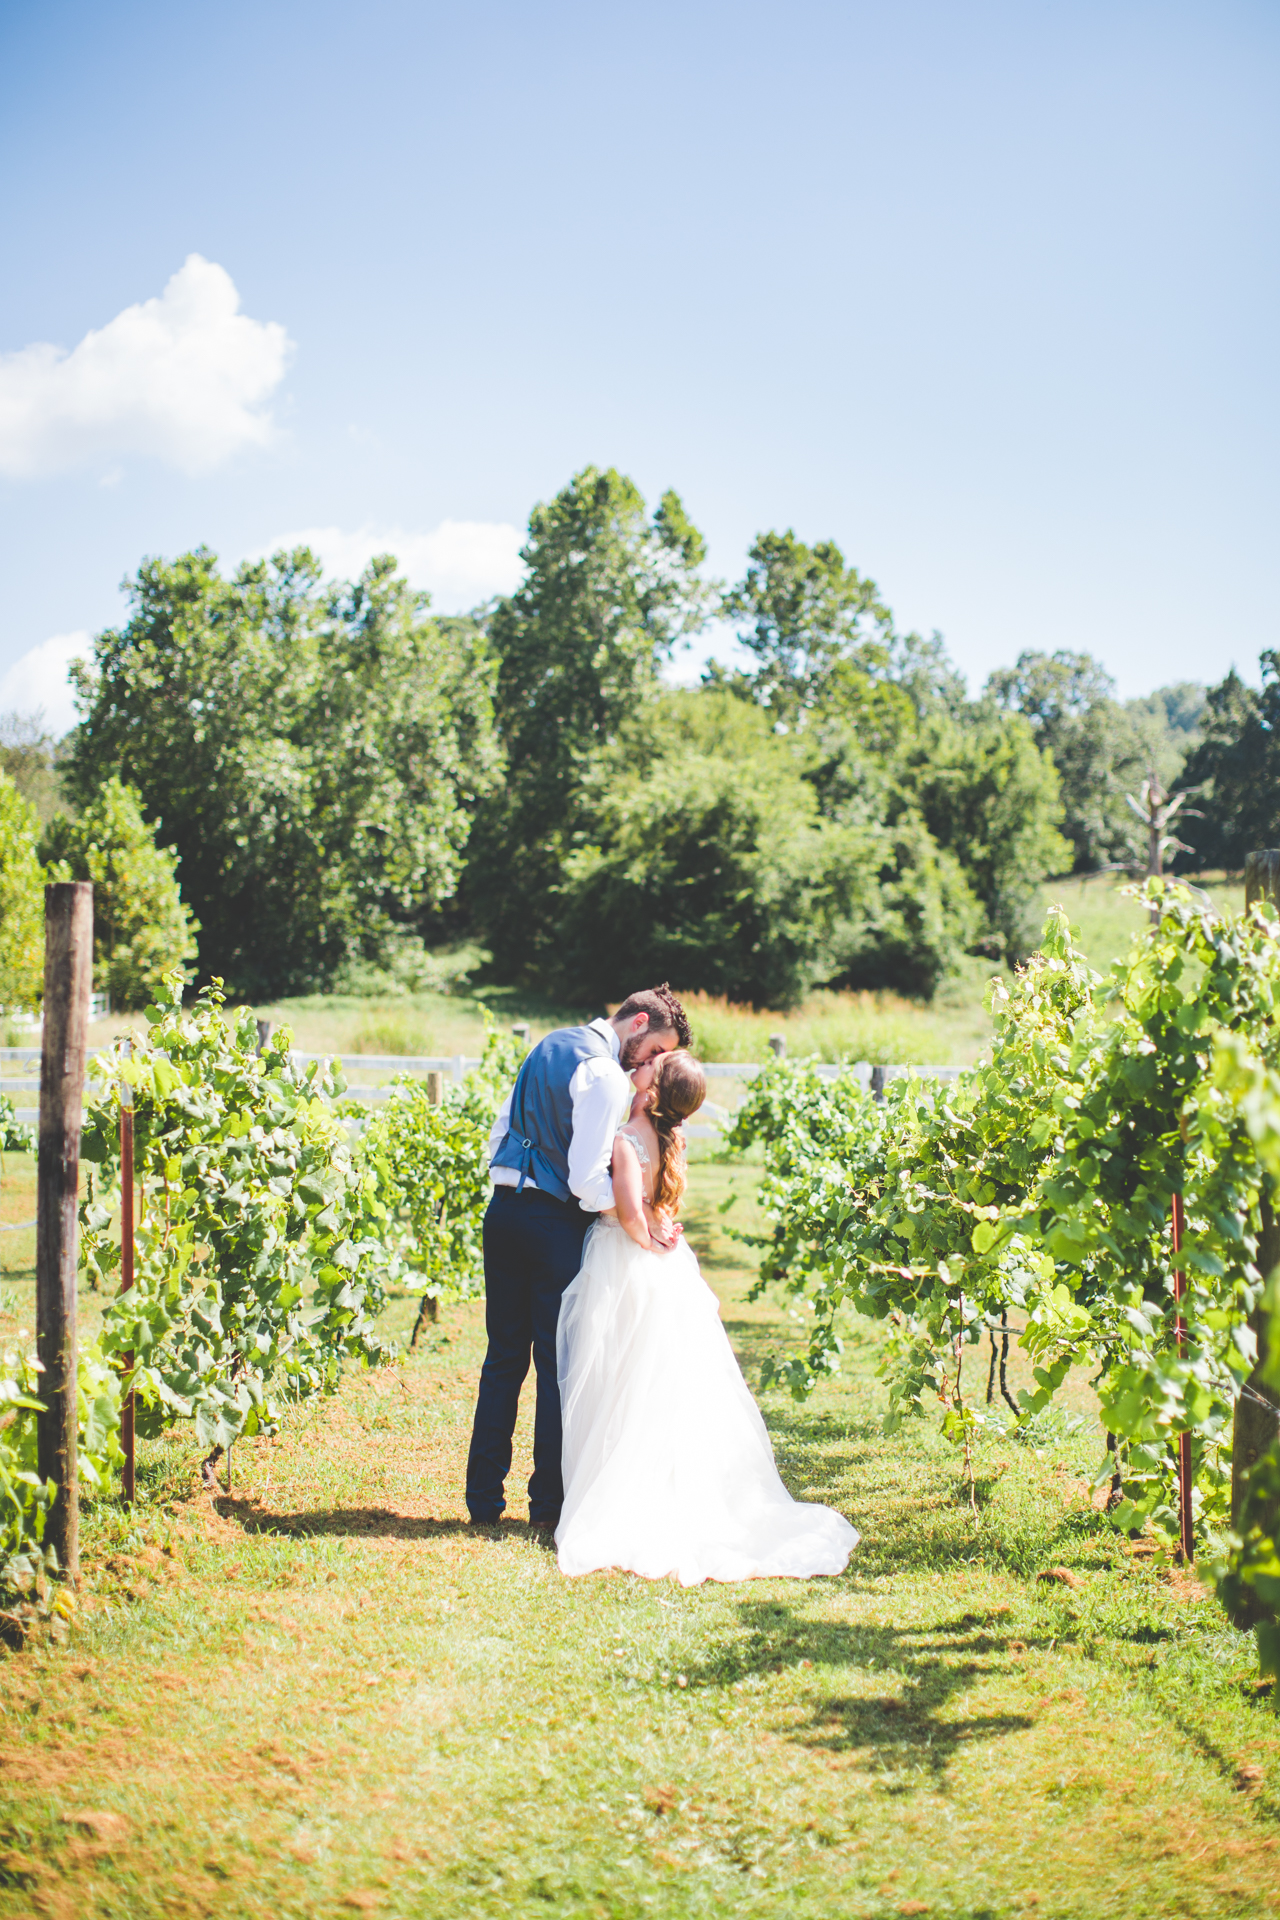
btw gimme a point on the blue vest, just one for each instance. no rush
(540, 1123)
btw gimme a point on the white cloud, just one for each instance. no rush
(183, 378)
(38, 681)
(460, 563)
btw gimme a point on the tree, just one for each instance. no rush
(609, 593)
(804, 614)
(27, 755)
(1238, 761)
(703, 857)
(990, 795)
(21, 902)
(1103, 748)
(141, 928)
(312, 752)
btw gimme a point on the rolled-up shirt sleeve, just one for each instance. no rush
(601, 1095)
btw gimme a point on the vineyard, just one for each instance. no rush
(1014, 1323)
(1104, 1182)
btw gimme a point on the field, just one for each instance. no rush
(327, 1694)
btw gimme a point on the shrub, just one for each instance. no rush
(430, 1168)
(21, 901)
(141, 929)
(258, 1251)
(25, 1499)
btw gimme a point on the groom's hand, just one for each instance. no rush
(665, 1232)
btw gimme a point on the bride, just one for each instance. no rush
(667, 1464)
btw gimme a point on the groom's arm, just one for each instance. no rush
(598, 1092)
(498, 1131)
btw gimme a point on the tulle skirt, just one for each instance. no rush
(668, 1470)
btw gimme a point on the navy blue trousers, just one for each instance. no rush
(532, 1250)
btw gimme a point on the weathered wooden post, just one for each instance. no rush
(435, 1087)
(68, 981)
(1256, 1409)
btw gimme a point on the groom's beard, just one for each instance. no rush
(629, 1054)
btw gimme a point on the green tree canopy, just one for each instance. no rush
(1103, 748)
(21, 902)
(702, 856)
(141, 928)
(311, 751)
(990, 795)
(1238, 760)
(28, 755)
(805, 614)
(608, 594)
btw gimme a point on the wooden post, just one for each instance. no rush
(1255, 1420)
(126, 1270)
(68, 981)
(1186, 1526)
(435, 1087)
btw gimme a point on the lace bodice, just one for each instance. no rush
(642, 1152)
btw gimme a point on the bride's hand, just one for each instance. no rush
(663, 1232)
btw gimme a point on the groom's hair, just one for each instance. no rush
(665, 1013)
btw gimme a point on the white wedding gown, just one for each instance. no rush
(668, 1468)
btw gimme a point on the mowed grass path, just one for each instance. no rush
(326, 1694)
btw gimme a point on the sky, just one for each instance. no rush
(987, 293)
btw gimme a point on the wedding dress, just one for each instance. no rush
(668, 1468)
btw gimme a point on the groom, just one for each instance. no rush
(550, 1154)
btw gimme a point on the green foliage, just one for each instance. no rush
(1102, 748)
(1239, 761)
(258, 1251)
(1042, 1183)
(430, 1169)
(990, 796)
(28, 755)
(808, 619)
(608, 593)
(312, 753)
(15, 1135)
(141, 928)
(702, 835)
(25, 1498)
(21, 901)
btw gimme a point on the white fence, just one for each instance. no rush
(13, 1080)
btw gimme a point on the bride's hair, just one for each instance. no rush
(679, 1088)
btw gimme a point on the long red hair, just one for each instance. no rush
(679, 1089)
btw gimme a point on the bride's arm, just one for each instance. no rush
(628, 1193)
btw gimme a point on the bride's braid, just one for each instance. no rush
(679, 1088)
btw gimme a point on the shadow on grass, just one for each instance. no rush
(904, 1734)
(370, 1523)
(909, 1498)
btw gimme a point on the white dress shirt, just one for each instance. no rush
(601, 1094)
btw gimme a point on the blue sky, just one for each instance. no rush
(986, 292)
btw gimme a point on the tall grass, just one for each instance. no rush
(880, 1027)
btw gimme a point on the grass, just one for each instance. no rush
(326, 1694)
